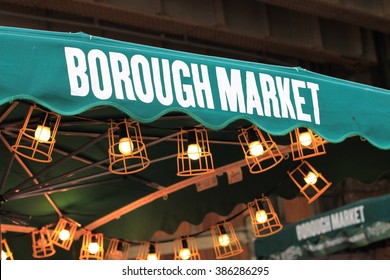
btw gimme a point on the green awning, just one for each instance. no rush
(91, 80)
(71, 73)
(355, 225)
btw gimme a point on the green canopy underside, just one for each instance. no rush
(71, 73)
(355, 225)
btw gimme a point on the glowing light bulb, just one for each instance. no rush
(311, 178)
(224, 240)
(126, 146)
(42, 133)
(185, 254)
(305, 139)
(261, 216)
(152, 257)
(3, 255)
(256, 149)
(93, 247)
(64, 235)
(194, 151)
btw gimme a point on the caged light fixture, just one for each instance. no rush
(117, 250)
(264, 219)
(225, 240)
(36, 138)
(261, 152)
(193, 152)
(185, 249)
(127, 151)
(63, 234)
(311, 183)
(92, 246)
(42, 243)
(149, 251)
(6, 253)
(305, 144)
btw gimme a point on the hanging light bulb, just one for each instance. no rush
(93, 246)
(185, 252)
(261, 216)
(255, 147)
(152, 256)
(3, 255)
(223, 238)
(42, 133)
(305, 139)
(64, 234)
(125, 146)
(311, 178)
(194, 151)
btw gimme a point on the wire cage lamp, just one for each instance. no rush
(310, 182)
(6, 253)
(63, 234)
(305, 144)
(117, 250)
(36, 138)
(92, 247)
(225, 240)
(149, 251)
(193, 152)
(42, 244)
(261, 152)
(127, 150)
(185, 248)
(264, 219)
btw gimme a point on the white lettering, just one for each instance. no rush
(202, 86)
(269, 95)
(142, 84)
(299, 100)
(121, 74)
(101, 90)
(78, 79)
(178, 68)
(252, 95)
(166, 99)
(230, 92)
(283, 87)
(314, 88)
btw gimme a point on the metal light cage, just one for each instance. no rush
(132, 161)
(67, 226)
(264, 219)
(85, 253)
(270, 155)
(202, 163)
(42, 244)
(185, 248)
(305, 144)
(117, 250)
(6, 253)
(27, 144)
(147, 248)
(311, 189)
(229, 247)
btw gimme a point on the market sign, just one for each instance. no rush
(354, 225)
(71, 73)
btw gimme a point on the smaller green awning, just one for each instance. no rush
(355, 225)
